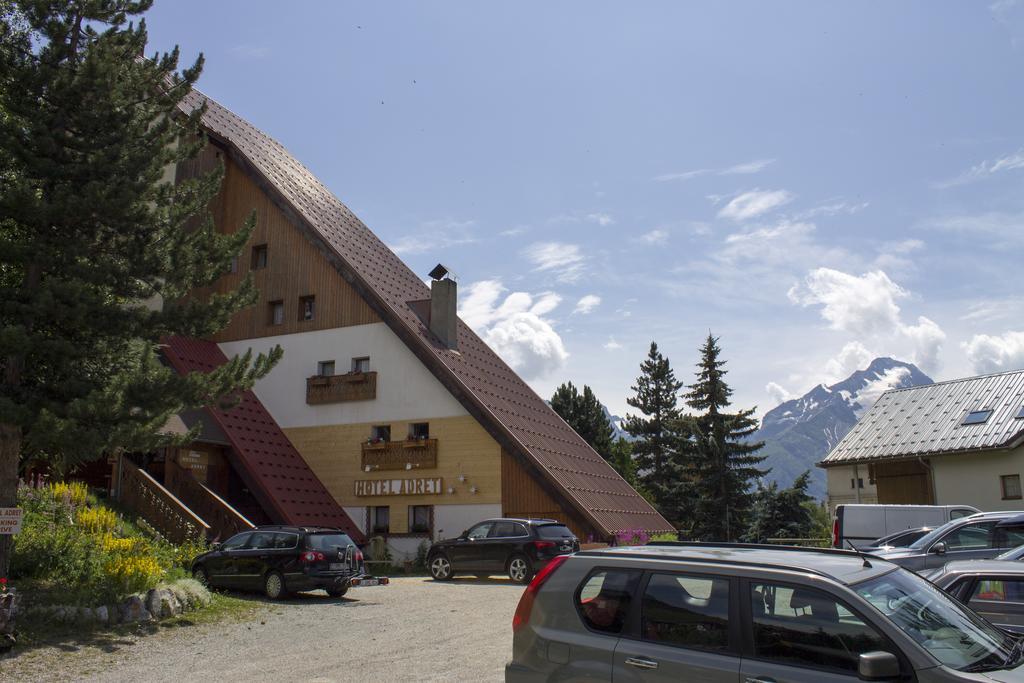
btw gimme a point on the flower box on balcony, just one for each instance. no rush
(353, 386)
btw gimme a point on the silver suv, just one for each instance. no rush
(976, 537)
(731, 613)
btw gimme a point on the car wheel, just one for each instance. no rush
(200, 575)
(273, 586)
(440, 568)
(337, 592)
(519, 569)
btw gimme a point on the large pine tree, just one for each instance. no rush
(584, 413)
(785, 513)
(655, 448)
(97, 252)
(720, 461)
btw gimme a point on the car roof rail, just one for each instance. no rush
(757, 546)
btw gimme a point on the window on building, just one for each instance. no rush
(603, 599)
(1020, 414)
(259, 257)
(276, 313)
(380, 432)
(325, 368)
(687, 611)
(858, 483)
(380, 519)
(419, 430)
(361, 364)
(977, 417)
(420, 518)
(307, 308)
(233, 265)
(1010, 484)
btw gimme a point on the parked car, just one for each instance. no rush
(517, 547)
(281, 559)
(900, 539)
(977, 537)
(861, 524)
(720, 612)
(992, 588)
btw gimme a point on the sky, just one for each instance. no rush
(816, 184)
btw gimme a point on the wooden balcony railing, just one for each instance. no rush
(413, 454)
(352, 386)
(146, 497)
(224, 520)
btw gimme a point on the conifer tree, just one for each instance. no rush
(584, 413)
(97, 252)
(655, 448)
(720, 462)
(785, 513)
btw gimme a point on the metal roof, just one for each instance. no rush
(928, 420)
(263, 456)
(491, 391)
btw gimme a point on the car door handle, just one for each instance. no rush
(642, 662)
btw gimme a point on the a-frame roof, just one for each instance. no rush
(489, 389)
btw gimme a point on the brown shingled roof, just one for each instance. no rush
(488, 388)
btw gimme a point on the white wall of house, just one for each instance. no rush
(973, 479)
(405, 388)
(452, 520)
(841, 489)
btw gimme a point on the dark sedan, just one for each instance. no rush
(992, 588)
(516, 547)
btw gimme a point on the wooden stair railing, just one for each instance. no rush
(146, 497)
(224, 520)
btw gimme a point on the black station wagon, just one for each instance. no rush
(278, 560)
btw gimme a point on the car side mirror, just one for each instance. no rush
(939, 548)
(878, 666)
(216, 546)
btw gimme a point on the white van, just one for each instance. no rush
(861, 524)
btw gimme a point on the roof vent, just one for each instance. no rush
(444, 321)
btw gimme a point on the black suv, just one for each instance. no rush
(518, 547)
(280, 559)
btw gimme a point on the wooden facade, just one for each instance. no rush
(523, 496)
(905, 482)
(295, 269)
(352, 386)
(400, 455)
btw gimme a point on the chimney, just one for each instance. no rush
(443, 299)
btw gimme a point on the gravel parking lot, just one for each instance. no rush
(413, 630)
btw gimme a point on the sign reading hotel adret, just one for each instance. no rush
(10, 521)
(398, 487)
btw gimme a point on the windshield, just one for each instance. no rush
(328, 541)
(1012, 554)
(950, 632)
(931, 537)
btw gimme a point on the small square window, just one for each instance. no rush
(419, 518)
(325, 368)
(380, 519)
(307, 308)
(361, 364)
(419, 430)
(1010, 484)
(977, 417)
(259, 257)
(381, 433)
(276, 316)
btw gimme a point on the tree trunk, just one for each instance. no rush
(10, 450)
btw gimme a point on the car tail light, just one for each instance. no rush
(522, 615)
(543, 544)
(312, 556)
(359, 557)
(835, 533)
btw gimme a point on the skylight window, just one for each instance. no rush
(977, 417)
(1020, 414)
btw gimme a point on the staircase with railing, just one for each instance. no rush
(143, 495)
(223, 518)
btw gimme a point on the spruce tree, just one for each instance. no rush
(584, 413)
(721, 463)
(786, 513)
(655, 448)
(97, 250)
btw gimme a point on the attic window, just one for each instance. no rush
(977, 417)
(1020, 414)
(259, 257)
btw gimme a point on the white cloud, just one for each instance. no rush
(654, 237)
(992, 230)
(612, 345)
(893, 256)
(874, 389)
(565, 260)
(853, 356)
(587, 303)
(778, 393)
(436, 235)
(927, 338)
(601, 219)
(986, 169)
(744, 168)
(995, 353)
(832, 208)
(513, 232)
(754, 203)
(516, 328)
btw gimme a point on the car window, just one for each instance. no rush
(328, 541)
(691, 611)
(503, 530)
(1009, 536)
(976, 536)
(284, 540)
(962, 512)
(806, 627)
(480, 530)
(520, 529)
(554, 531)
(236, 541)
(1004, 591)
(261, 540)
(604, 597)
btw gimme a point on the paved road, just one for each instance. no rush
(413, 630)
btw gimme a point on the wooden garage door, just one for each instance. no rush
(907, 482)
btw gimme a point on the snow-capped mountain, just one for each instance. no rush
(616, 422)
(801, 431)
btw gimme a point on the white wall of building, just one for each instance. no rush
(973, 479)
(405, 388)
(841, 490)
(452, 520)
